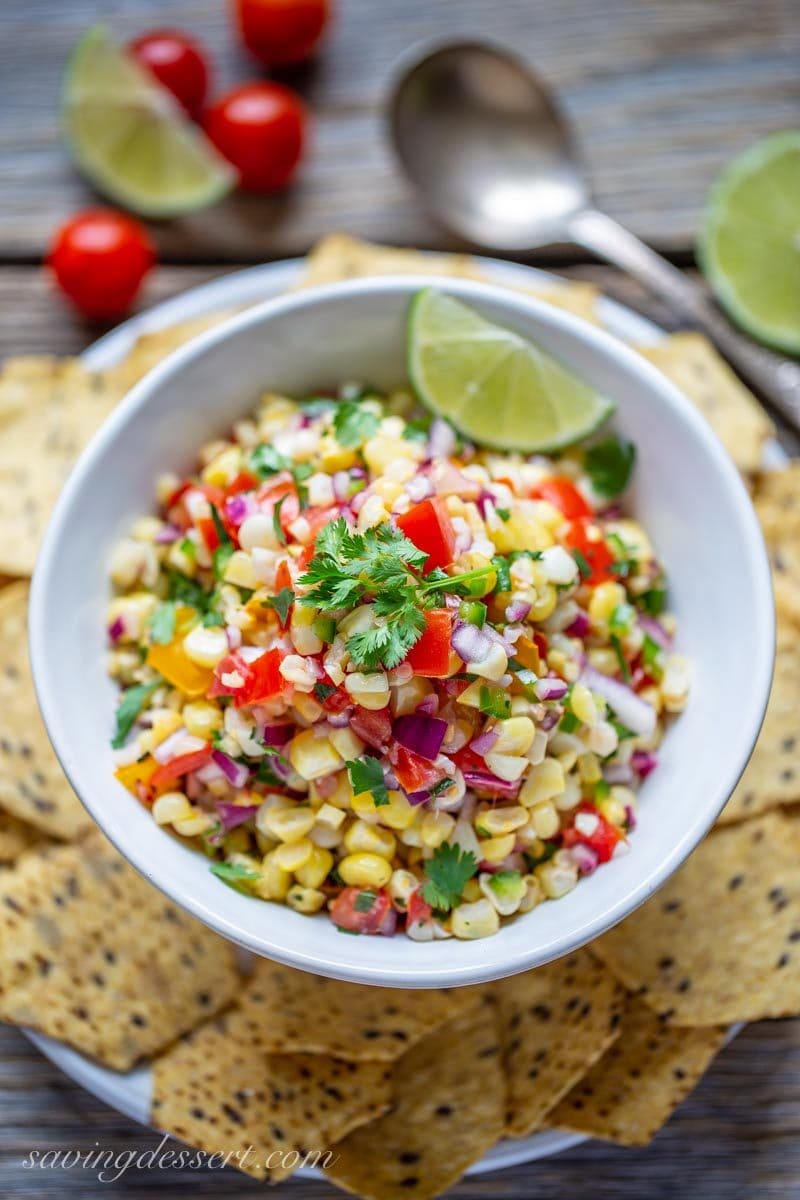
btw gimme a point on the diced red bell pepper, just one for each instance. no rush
(245, 481)
(414, 773)
(429, 527)
(466, 759)
(360, 910)
(430, 656)
(261, 679)
(596, 554)
(563, 495)
(373, 727)
(318, 518)
(602, 841)
(184, 764)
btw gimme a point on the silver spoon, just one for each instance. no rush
(483, 141)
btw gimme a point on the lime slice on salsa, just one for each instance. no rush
(749, 245)
(494, 386)
(127, 134)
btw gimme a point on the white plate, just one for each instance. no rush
(130, 1094)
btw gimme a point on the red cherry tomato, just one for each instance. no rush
(179, 64)
(99, 258)
(563, 494)
(280, 32)
(360, 910)
(261, 129)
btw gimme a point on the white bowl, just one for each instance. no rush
(686, 492)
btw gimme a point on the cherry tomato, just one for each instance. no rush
(595, 554)
(261, 129)
(179, 64)
(280, 32)
(429, 527)
(430, 655)
(99, 258)
(361, 910)
(563, 494)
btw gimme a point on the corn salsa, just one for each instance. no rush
(374, 671)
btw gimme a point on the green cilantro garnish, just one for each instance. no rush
(623, 733)
(234, 875)
(323, 690)
(162, 623)
(300, 474)
(494, 703)
(583, 565)
(621, 659)
(624, 565)
(276, 521)
(132, 702)
(654, 601)
(353, 424)
(417, 430)
(266, 460)
(187, 591)
(224, 552)
(609, 464)
(366, 775)
(602, 790)
(212, 619)
(364, 901)
(536, 860)
(282, 601)
(448, 871)
(441, 785)
(503, 513)
(651, 654)
(622, 618)
(501, 564)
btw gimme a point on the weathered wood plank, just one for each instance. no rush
(661, 95)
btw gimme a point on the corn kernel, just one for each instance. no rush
(603, 600)
(288, 824)
(406, 697)
(240, 571)
(582, 704)
(382, 450)
(313, 757)
(545, 603)
(495, 822)
(195, 824)
(313, 873)
(224, 467)
(369, 839)
(201, 718)
(164, 722)
(305, 899)
(346, 743)
(306, 707)
(534, 894)
(365, 870)
(514, 736)
(589, 768)
(369, 690)
(471, 891)
(509, 767)
(328, 815)
(171, 806)
(544, 781)
(291, 856)
(504, 892)
(274, 882)
(436, 828)
(494, 850)
(557, 876)
(206, 646)
(402, 886)
(397, 814)
(476, 920)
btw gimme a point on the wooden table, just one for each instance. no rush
(661, 95)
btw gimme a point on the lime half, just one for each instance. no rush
(129, 137)
(749, 245)
(493, 385)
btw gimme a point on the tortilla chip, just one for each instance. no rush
(777, 501)
(340, 256)
(216, 1092)
(32, 785)
(15, 837)
(47, 416)
(555, 1021)
(152, 348)
(772, 776)
(721, 941)
(94, 956)
(289, 1011)
(738, 420)
(449, 1097)
(639, 1082)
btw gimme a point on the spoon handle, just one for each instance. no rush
(776, 378)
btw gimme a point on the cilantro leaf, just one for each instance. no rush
(366, 775)
(609, 464)
(282, 601)
(448, 872)
(353, 424)
(213, 618)
(323, 690)
(132, 702)
(234, 875)
(583, 566)
(276, 521)
(364, 901)
(187, 591)
(266, 460)
(162, 624)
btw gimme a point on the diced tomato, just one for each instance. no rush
(430, 656)
(429, 527)
(360, 910)
(374, 728)
(467, 760)
(418, 911)
(604, 838)
(261, 679)
(318, 518)
(176, 767)
(414, 773)
(453, 687)
(305, 557)
(338, 700)
(208, 532)
(563, 495)
(245, 481)
(598, 558)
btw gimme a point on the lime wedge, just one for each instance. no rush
(494, 386)
(127, 134)
(749, 244)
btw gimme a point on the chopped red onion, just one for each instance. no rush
(492, 785)
(584, 857)
(551, 719)
(391, 780)
(579, 626)
(340, 720)
(167, 535)
(341, 486)
(470, 643)
(116, 629)
(484, 743)
(550, 688)
(326, 785)
(441, 439)
(417, 798)
(655, 631)
(277, 735)
(358, 501)
(179, 742)
(418, 488)
(237, 774)
(484, 499)
(636, 714)
(421, 734)
(618, 773)
(630, 818)
(429, 706)
(517, 610)
(239, 507)
(208, 773)
(388, 925)
(234, 635)
(232, 815)
(643, 762)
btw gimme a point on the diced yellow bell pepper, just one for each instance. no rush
(173, 662)
(137, 772)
